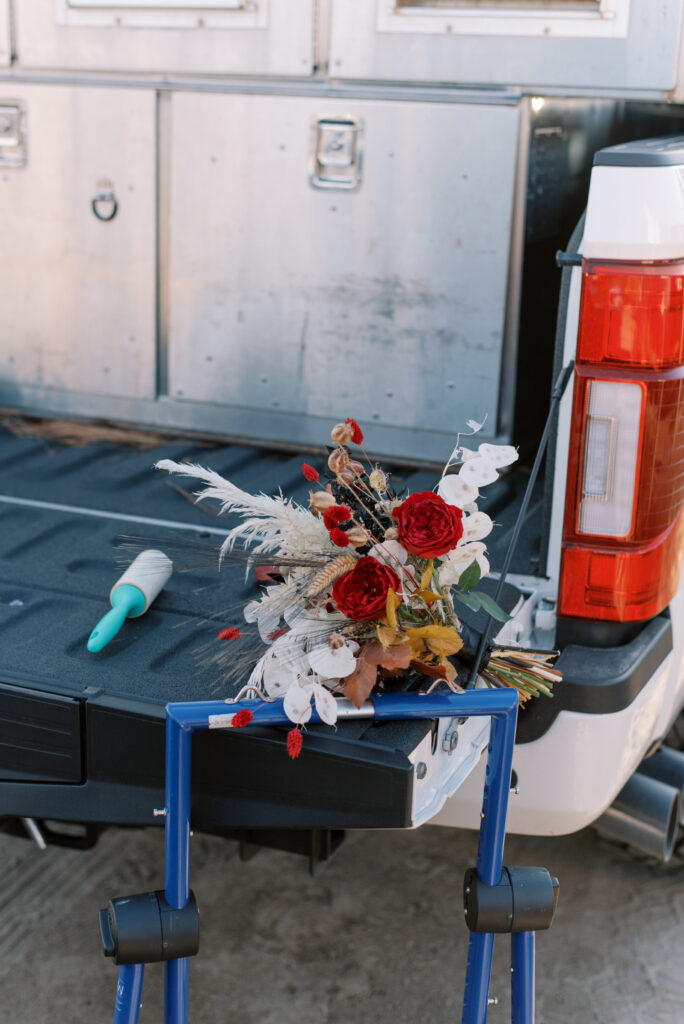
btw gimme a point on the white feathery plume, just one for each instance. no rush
(276, 524)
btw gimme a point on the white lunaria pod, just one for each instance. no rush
(499, 454)
(456, 491)
(332, 663)
(279, 675)
(467, 454)
(478, 472)
(458, 560)
(297, 704)
(391, 552)
(326, 705)
(476, 526)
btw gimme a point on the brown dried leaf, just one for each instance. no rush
(359, 685)
(396, 657)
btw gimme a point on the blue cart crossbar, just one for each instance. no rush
(183, 719)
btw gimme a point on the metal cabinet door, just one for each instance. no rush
(5, 48)
(289, 305)
(626, 44)
(261, 37)
(78, 292)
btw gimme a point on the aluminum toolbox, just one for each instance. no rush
(78, 292)
(82, 735)
(386, 281)
(271, 37)
(215, 301)
(587, 44)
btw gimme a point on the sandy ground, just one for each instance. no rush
(377, 937)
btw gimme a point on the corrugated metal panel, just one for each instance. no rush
(273, 37)
(78, 293)
(385, 302)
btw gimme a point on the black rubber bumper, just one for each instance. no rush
(599, 680)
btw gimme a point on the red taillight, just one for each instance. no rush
(623, 536)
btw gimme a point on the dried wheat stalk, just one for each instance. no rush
(322, 579)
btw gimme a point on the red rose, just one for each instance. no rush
(362, 593)
(428, 527)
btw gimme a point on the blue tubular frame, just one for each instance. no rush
(184, 719)
(129, 993)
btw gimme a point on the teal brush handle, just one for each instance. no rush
(126, 600)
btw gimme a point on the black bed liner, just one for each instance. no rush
(82, 735)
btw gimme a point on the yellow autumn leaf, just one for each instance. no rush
(392, 602)
(428, 596)
(389, 637)
(443, 648)
(441, 640)
(417, 646)
(426, 578)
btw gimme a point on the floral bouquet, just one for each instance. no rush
(365, 584)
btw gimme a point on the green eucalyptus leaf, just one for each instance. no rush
(491, 607)
(471, 601)
(469, 577)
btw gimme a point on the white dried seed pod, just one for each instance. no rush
(456, 491)
(499, 454)
(378, 480)
(341, 433)
(478, 472)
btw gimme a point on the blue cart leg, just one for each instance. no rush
(478, 972)
(128, 994)
(176, 992)
(522, 978)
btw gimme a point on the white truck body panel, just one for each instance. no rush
(274, 37)
(620, 46)
(571, 774)
(5, 48)
(58, 331)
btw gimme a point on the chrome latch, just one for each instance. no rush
(12, 141)
(336, 156)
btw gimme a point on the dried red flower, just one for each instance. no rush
(231, 633)
(339, 537)
(310, 473)
(242, 717)
(428, 527)
(277, 632)
(357, 433)
(362, 592)
(335, 515)
(294, 743)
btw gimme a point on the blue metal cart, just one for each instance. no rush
(164, 926)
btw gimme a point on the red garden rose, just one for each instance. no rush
(362, 593)
(428, 527)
